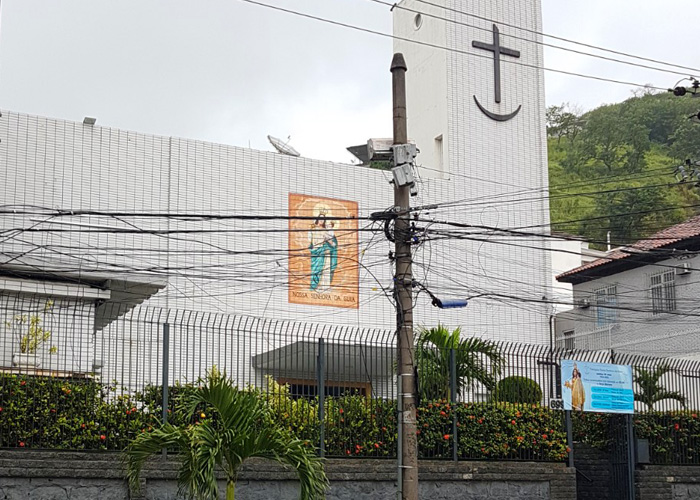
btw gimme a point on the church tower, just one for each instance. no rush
(476, 110)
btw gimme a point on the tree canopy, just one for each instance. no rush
(612, 168)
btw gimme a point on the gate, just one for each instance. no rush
(621, 457)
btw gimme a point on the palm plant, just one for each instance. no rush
(476, 360)
(234, 427)
(650, 389)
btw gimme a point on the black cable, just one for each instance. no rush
(529, 40)
(440, 47)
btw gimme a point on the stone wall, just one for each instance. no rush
(593, 473)
(661, 482)
(36, 475)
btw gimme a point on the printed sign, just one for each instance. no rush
(597, 387)
(323, 255)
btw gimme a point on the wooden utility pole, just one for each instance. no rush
(408, 459)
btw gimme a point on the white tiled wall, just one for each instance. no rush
(496, 171)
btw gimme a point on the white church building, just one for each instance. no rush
(220, 229)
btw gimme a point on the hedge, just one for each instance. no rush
(674, 437)
(53, 413)
(516, 389)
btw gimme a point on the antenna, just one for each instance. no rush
(282, 147)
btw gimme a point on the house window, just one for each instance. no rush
(309, 388)
(439, 153)
(663, 292)
(606, 306)
(568, 339)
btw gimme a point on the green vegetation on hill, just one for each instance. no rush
(612, 168)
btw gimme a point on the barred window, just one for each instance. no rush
(663, 292)
(569, 339)
(606, 306)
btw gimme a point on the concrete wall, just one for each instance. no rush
(658, 482)
(87, 476)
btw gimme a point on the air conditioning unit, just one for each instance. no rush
(584, 304)
(684, 268)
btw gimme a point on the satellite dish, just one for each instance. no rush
(282, 147)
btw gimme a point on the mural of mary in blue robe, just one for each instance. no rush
(323, 246)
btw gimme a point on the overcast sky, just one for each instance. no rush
(230, 72)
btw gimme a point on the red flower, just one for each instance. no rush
(446, 436)
(358, 446)
(103, 437)
(21, 444)
(376, 445)
(340, 411)
(418, 432)
(82, 426)
(23, 382)
(0, 408)
(544, 436)
(481, 420)
(512, 422)
(443, 413)
(520, 438)
(347, 452)
(676, 426)
(568, 450)
(694, 415)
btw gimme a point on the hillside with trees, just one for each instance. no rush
(615, 168)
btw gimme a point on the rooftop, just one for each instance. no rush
(683, 236)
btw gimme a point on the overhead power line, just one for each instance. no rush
(448, 49)
(562, 39)
(530, 40)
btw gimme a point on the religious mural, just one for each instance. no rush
(323, 252)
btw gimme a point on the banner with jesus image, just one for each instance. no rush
(323, 251)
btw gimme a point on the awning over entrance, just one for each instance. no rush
(115, 293)
(343, 362)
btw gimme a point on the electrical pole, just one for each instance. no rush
(403, 293)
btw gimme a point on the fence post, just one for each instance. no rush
(629, 420)
(569, 437)
(166, 375)
(453, 402)
(321, 371)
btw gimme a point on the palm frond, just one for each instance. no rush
(237, 428)
(148, 444)
(650, 389)
(477, 361)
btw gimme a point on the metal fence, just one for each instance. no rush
(65, 384)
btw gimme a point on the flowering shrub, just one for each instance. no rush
(492, 431)
(674, 437)
(45, 412)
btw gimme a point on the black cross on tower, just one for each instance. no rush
(497, 50)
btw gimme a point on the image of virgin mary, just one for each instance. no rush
(323, 246)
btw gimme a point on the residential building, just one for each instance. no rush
(642, 298)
